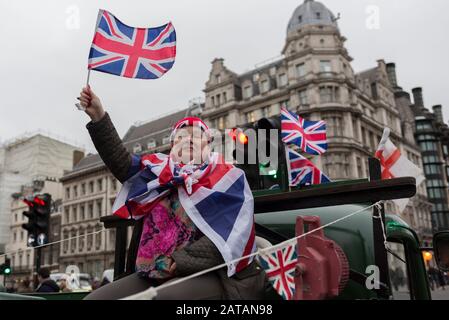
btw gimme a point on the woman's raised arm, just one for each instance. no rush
(105, 137)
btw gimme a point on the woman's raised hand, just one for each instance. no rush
(91, 104)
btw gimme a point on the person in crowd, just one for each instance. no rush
(46, 284)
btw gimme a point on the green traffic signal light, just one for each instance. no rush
(5, 268)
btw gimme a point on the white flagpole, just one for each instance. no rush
(78, 105)
(287, 160)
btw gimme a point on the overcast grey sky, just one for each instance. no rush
(45, 46)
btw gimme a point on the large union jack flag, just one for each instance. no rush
(215, 196)
(145, 53)
(280, 269)
(310, 136)
(302, 171)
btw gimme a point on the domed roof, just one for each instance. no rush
(311, 13)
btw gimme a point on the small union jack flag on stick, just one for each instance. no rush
(280, 269)
(310, 136)
(144, 53)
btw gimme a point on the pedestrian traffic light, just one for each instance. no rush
(5, 268)
(38, 214)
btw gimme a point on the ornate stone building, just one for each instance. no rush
(314, 78)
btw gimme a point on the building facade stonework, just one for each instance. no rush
(314, 78)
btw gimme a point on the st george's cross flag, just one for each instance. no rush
(144, 53)
(395, 165)
(310, 136)
(215, 196)
(280, 267)
(302, 171)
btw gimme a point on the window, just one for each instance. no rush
(329, 94)
(217, 78)
(217, 99)
(15, 217)
(114, 184)
(434, 183)
(67, 193)
(303, 99)
(91, 210)
(73, 241)
(21, 235)
(250, 117)
(299, 19)
(213, 101)
(336, 165)
(264, 86)
(318, 15)
(355, 129)
(225, 97)
(266, 111)
(75, 191)
(99, 208)
(247, 92)
(436, 193)
(15, 237)
(91, 187)
(428, 146)
(432, 169)
(100, 185)
(282, 81)
(220, 123)
(83, 188)
(423, 126)
(74, 214)
(66, 215)
(89, 240)
(301, 70)
(98, 239)
(82, 213)
(81, 240)
(334, 124)
(137, 148)
(397, 265)
(423, 137)
(151, 144)
(166, 140)
(325, 66)
(65, 244)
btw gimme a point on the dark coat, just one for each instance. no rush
(249, 283)
(48, 285)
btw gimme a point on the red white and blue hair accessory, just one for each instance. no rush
(190, 122)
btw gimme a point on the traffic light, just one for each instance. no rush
(5, 268)
(245, 153)
(38, 214)
(273, 175)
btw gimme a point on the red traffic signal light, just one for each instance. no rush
(238, 135)
(39, 201)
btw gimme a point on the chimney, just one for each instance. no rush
(437, 111)
(391, 71)
(77, 156)
(418, 98)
